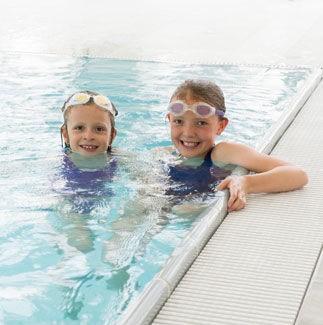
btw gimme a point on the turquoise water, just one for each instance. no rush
(60, 265)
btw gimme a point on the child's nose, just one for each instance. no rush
(88, 134)
(188, 130)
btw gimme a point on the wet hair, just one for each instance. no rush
(93, 93)
(202, 90)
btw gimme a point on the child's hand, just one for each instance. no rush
(237, 186)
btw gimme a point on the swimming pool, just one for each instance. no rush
(47, 275)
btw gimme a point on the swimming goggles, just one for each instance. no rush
(83, 98)
(200, 109)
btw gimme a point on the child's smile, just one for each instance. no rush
(190, 144)
(89, 148)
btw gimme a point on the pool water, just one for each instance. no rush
(60, 263)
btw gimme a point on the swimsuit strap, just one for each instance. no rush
(208, 160)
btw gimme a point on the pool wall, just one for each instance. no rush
(157, 292)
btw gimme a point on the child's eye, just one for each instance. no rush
(178, 121)
(100, 129)
(200, 123)
(78, 127)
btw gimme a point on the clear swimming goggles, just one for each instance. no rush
(200, 109)
(83, 98)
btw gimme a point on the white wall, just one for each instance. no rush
(249, 31)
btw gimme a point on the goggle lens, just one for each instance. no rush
(101, 100)
(177, 108)
(80, 98)
(203, 110)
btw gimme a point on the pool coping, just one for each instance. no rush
(149, 302)
(160, 60)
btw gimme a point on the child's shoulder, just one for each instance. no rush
(222, 148)
(229, 152)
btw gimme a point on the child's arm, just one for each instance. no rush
(273, 175)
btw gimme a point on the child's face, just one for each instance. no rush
(88, 130)
(192, 135)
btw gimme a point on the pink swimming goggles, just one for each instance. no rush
(200, 109)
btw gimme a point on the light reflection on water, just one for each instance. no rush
(57, 265)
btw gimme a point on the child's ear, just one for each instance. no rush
(222, 125)
(113, 135)
(65, 134)
(168, 115)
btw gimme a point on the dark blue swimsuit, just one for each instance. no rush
(84, 188)
(184, 180)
